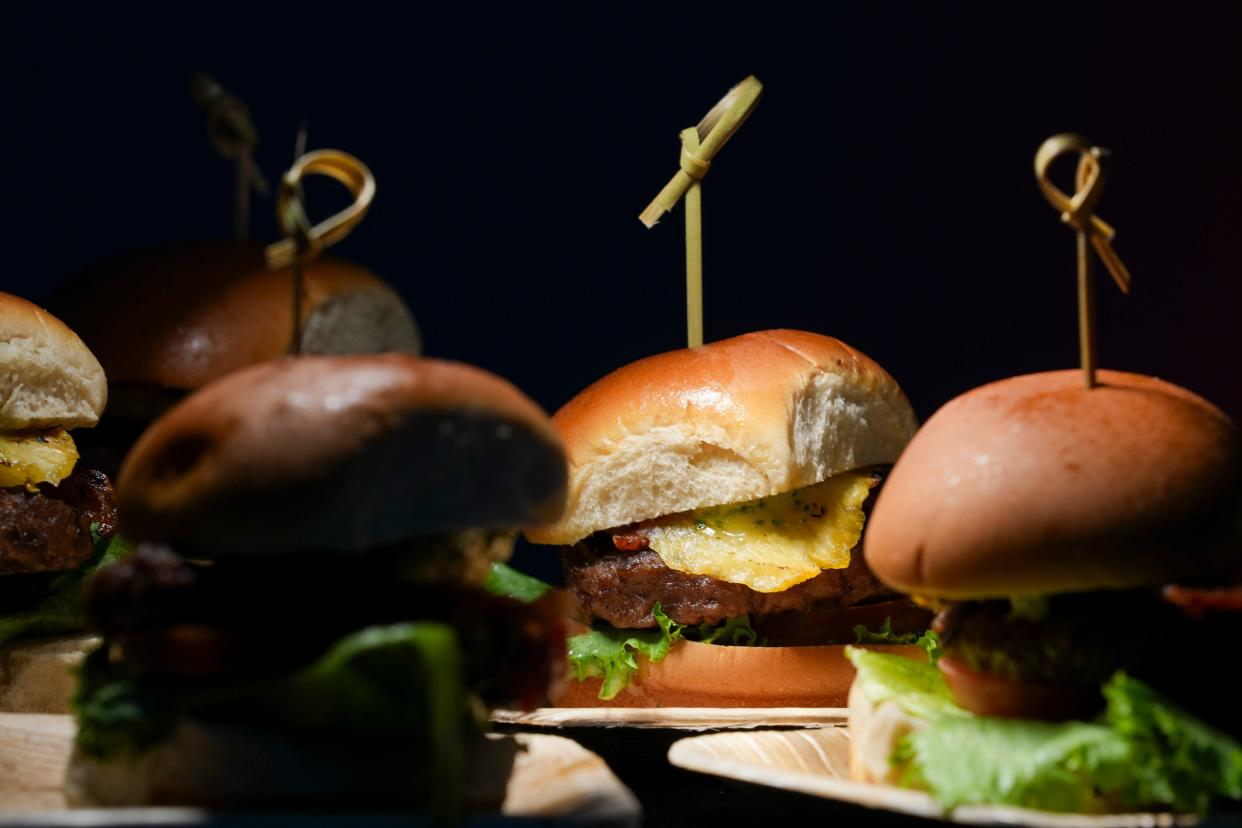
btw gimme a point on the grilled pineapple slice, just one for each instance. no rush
(29, 458)
(769, 544)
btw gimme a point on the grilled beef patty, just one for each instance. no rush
(622, 587)
(178, 620)
(50, 530)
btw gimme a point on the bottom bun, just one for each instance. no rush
(210, 765)
(39, 675)
(714, 675)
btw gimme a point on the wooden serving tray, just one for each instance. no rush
(635, 741)
(816, 762)
(553, 778)
(673, 718)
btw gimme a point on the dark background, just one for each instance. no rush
(882, 192)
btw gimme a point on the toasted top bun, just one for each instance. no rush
(182, 315)
(339, 454)
(735, 420)
(1037, 485)
(49, 377)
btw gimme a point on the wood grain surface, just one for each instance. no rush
(552, 778)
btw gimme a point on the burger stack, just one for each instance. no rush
(166, 321)
(717, 496)
(57, 516)
(1082, 545)
(302, 621)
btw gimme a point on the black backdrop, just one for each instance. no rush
(882, 192)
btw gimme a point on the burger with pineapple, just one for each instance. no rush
(717, 496)
(57, 517)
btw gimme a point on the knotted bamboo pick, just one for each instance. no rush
(233, 136)
(1078, 212)
(698, 146)
(302, 242)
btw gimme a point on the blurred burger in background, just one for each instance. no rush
(717, 496)
(57, 515)
(168, 320)
(1084, 548)
(303, 620)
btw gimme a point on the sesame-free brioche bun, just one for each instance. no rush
(339, 454)
(694, 674)
(1036, 485)
(178, 316)
(49, 378)
(38, 675)
(735, 420)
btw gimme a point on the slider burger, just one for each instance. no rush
(302, 621)
(168, 320)
(56, 515)
(1076, 542)
(716, 497)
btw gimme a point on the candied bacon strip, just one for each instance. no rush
(90, 493)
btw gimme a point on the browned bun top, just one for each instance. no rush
(735, 420)
(342, 454)
(1037, 485)
(181, 315)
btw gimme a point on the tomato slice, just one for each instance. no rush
(189, 651)
(630, 541)
(987, 694)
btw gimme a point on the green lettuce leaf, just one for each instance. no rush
(1144, 751)
(402, 679)
(1074, 766)
(117, 715)
(507, 582)
(399, 678)
(611, 654)
(917, 688)
(736, 632)
(60, 610)
(928, 640)
(1176, 759)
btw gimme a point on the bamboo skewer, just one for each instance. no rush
(298, 274)
(694, 250)
(1087, 351)
(303, 242)
(233, 136)
(714, 131)
(699, 145)
(1078, 211)
(241, 194)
